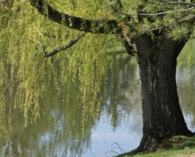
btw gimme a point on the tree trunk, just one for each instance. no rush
(162, 115)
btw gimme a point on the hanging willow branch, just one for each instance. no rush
(60, 48)
(56, 50)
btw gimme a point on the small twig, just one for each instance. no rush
(112, 153)
(9, 81)
(157, 14)
(180, 20)
(41, 45)
(108, 153)
(7, 86)
(115, 143)
(181, 3)
(61, 48)
(92, 153)
(25, 38)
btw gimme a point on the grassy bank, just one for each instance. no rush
(175, 146)
(167, 153)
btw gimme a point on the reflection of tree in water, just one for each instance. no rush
(64, 127)
(186, 90)
(61, 129)
(185, 75)
(123, 93)
(64, 130)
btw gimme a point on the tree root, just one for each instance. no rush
(152, 144)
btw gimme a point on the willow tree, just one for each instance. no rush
(153, 31)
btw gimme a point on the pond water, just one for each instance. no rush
(118, 129)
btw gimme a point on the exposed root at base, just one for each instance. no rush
(152, 144)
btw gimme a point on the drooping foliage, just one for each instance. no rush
(63, 124)
(24, 69)
(83, 67)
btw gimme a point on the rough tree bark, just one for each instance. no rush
(162, 115)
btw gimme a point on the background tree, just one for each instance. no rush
(152, 31)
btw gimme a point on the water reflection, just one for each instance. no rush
(62, 131)
(186, 89)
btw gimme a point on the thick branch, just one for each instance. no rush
(93, 26)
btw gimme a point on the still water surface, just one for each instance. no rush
(118, 128)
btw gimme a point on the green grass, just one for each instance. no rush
(175, 146)
(167, 153)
